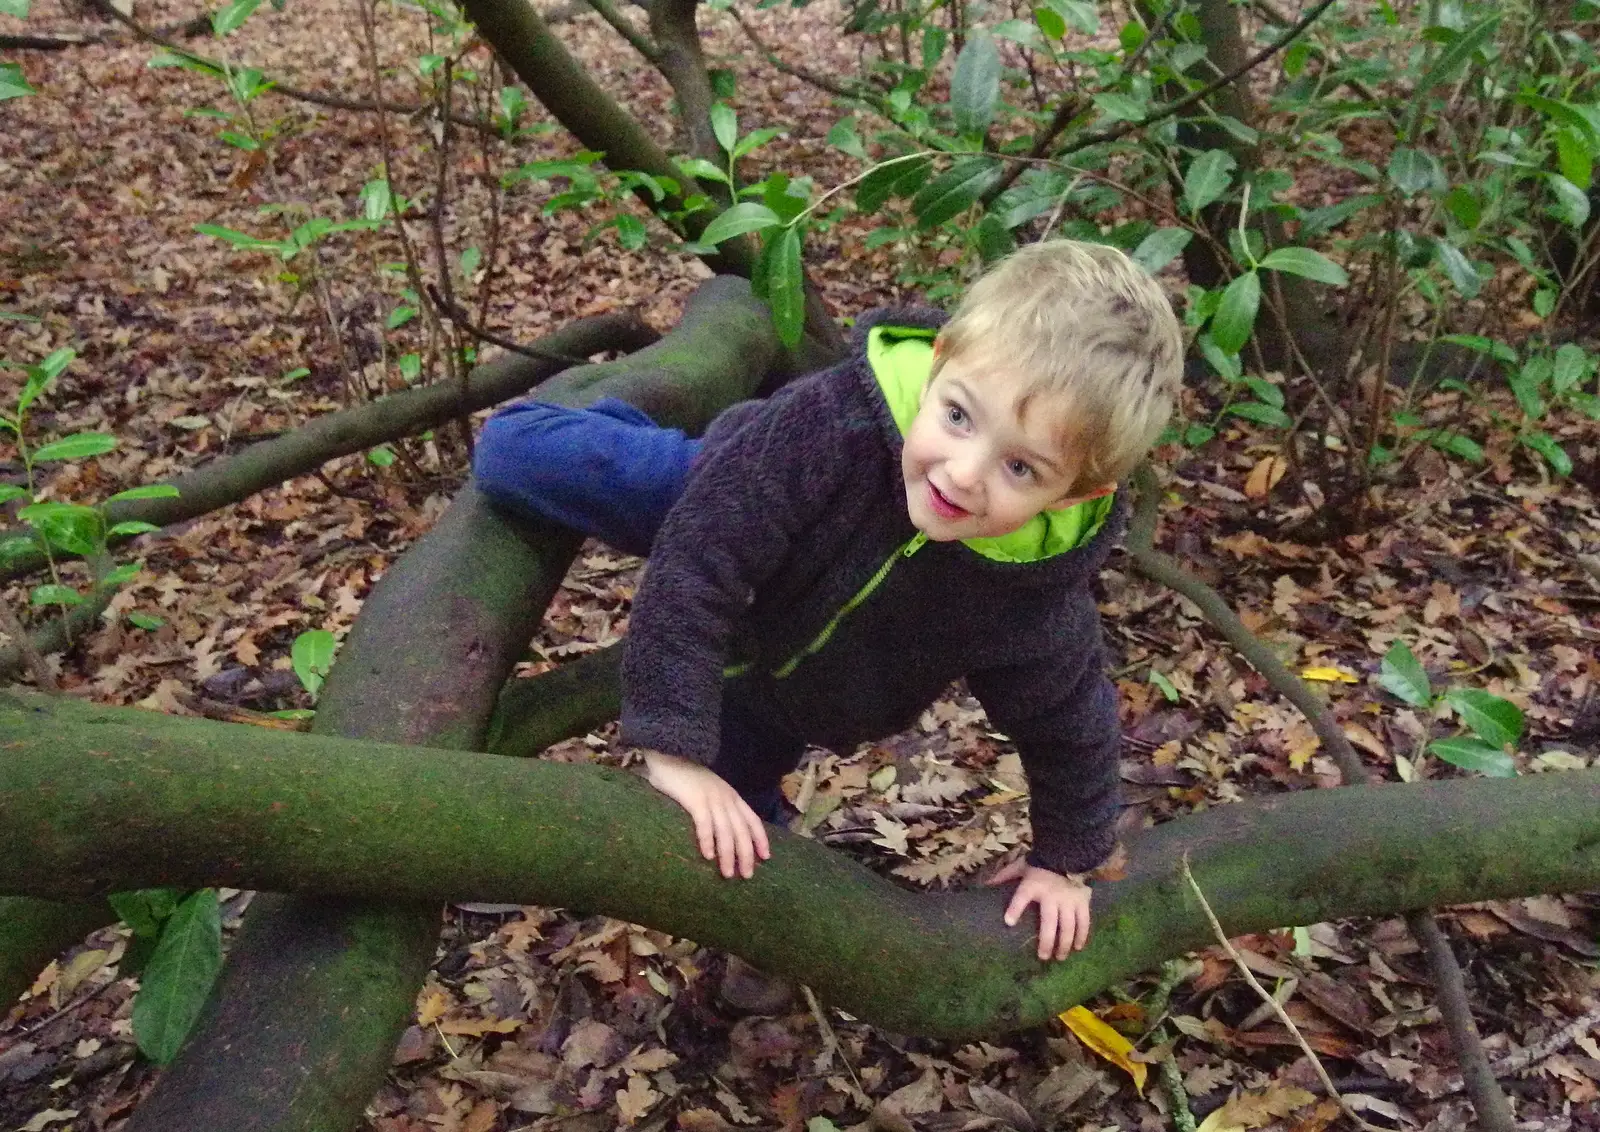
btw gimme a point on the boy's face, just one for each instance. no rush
(972, 467)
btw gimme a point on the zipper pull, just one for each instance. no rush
(915, 544)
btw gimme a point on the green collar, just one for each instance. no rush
(901, 358)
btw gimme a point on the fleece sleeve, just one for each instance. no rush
(748, 498)
(1061, 712)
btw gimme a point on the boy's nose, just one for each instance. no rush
(965, 470)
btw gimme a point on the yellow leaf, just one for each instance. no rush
(1106, 1042)
(432, 1008)
(477, 1027)
(1330, 675)
(1252, 1110)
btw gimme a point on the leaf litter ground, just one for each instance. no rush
(535, 1018)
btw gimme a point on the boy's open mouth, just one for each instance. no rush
(942, 506)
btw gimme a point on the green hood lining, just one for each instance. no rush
(901, 358)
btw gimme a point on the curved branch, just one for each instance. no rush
(270, 462)
(680, 60)
(1488, 1099)
(106, 798)
(623, 26)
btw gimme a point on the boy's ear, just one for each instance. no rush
(1082, 497)
(938, 346)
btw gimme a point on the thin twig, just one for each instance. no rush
(464, 320)
(1523, 1059)
(623, 26)
(1269, 1000)
(1206, 91)
(332, 101)
(1449, 986)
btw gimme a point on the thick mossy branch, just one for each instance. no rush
(99, 799)
(324, 438)
(304, 1021)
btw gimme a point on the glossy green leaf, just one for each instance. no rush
(1457, 445)
(1261, 413)
(121, 575)
(701, 168)
(143, 909)
(13, 84)
(312, 658)
(631, 232)
(241, 240)
(147, 621)
(146, 491)
(130, 528)
(725, 126)
(16, 9)
(178, 977)
(975, 84)
(1575, 158)
(1121, 107)
(1402, 675)
(377, 199)
(1572, 365)
(52, 594)
(1306, 263)
(1463, 204)
(78, 446)
(1413, 171)
(755, 139)
(1458, 51)
(67, 526)
(1551, 451)
(843, 137)
(736, 221)
(1492, 719)
(1168, 688)
(1236, 313)
(1571, 205)
(11, 491)
(1050, 21)
(1458, 269)
(786, 286)
(1475, 754)
(231, 17)
(954, 191)
(892, 179)
(1161, 247)
(1209, 176)
(1265, 391)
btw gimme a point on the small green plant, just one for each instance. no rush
(55, 527)
(1491, 726)
(311, 655)
(176, 949)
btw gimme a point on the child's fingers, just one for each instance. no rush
(1009, 873)
(1049, 928)
(1080, 937)
(726, 846)
(758, 830)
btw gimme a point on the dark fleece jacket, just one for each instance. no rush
(794, 503)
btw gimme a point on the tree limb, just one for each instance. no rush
(232, 478)
(623, 26)
(99, 799)
(302, 1024)
(680, 60)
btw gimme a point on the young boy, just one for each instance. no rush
(826, 561)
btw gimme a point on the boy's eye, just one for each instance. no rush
(955, 414)
(1019, 469)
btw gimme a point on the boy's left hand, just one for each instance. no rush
(1063, 907)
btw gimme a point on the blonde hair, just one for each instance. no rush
(1085, 326)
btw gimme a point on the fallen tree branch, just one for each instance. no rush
(1494, 1112)
(318, 988)
(197, 25)
(96, 799)
(233, 478)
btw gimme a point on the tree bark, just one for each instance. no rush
(324, 438)
(298, 1035)
(99, 799)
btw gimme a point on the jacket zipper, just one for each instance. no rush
(820, 641)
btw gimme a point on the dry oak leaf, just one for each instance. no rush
(1252, 1110)
(636, 1100)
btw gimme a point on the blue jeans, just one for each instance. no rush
(612, 473)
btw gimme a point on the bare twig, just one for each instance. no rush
(198, 25)
(1524, 1059)
(316, 98)
(1270, 1001)
(623, 26)
(1125, 128)
(461, 318)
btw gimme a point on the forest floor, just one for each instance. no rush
(534, 1018)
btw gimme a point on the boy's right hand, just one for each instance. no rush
(728, 830)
